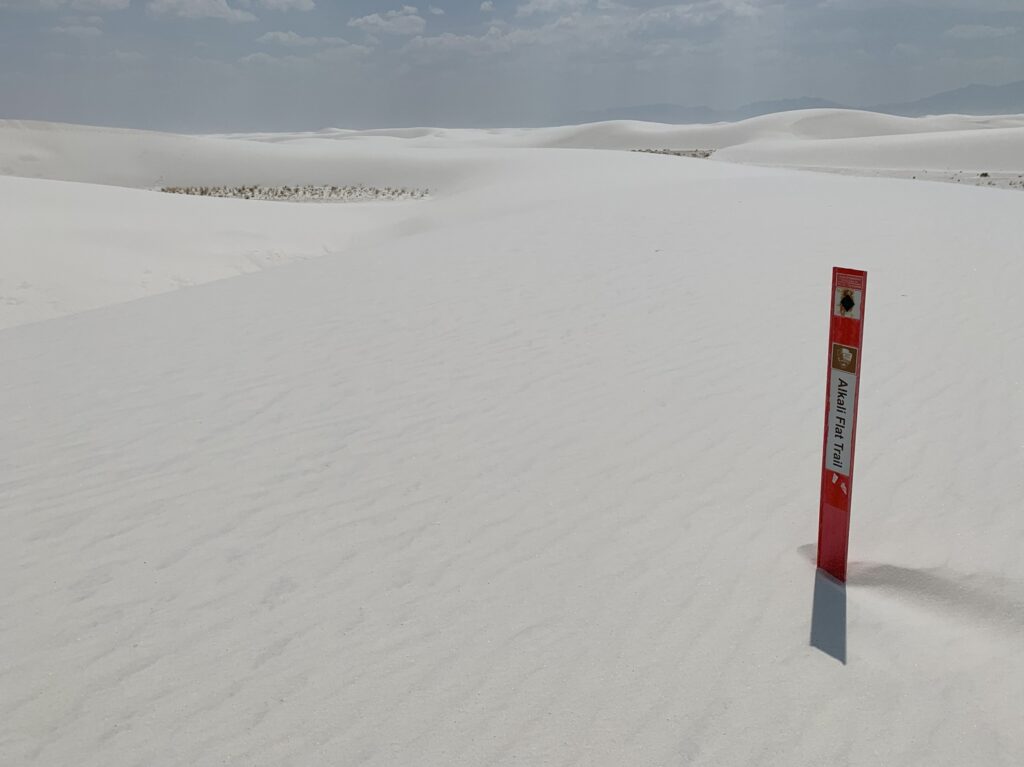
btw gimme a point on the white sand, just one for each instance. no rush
(525, 473)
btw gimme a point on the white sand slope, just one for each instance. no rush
(67, 248)
(808, 124)
(145, 159)
(1000, 149)
(522, 474)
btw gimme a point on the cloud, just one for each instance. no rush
(606, 28)
(199, 9)
(493, 41)
(671, 20)
(979, 32)
(293, 40)
(501, 38)
(334, 53)
(32, 5)
(290, 39)
(532, 7)
(78, 31)
(56, 5)
(281, 5)
(974, 6)
(406, 21)
(260, 58)
(100, 5)
(435, 11)
(81, 21)
(341, 53)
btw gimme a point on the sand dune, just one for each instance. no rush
(1000, 149)
(67, 247)
(810, 137)
(627, 134)
(525, 473)
(151, 160)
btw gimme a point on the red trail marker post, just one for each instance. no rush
(846, 334)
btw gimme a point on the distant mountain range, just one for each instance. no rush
(970, 100)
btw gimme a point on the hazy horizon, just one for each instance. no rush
(247, 65)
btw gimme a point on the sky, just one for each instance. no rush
(248, 65)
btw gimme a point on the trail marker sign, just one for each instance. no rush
(846, 334)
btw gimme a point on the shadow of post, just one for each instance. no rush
(828, 616)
